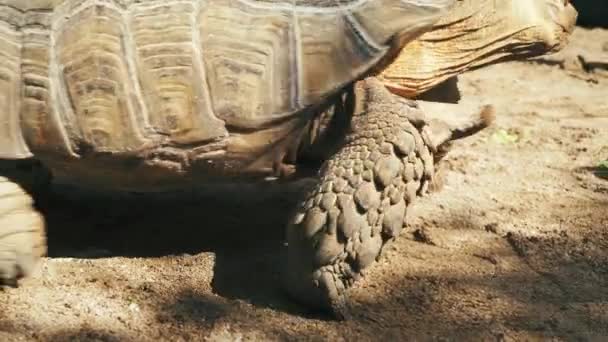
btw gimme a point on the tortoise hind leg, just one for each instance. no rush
(22, 238)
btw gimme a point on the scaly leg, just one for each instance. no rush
(360, 203)
(22, 238)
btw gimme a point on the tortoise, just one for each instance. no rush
(152, 96)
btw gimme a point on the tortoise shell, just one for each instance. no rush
(103, 88)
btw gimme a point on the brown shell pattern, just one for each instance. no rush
(122, 75)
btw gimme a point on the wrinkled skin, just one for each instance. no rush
(476, 33)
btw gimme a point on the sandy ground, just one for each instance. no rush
(515, 246)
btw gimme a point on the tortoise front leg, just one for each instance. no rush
(22, 238)
(361, 200)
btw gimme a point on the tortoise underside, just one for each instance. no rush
(159, 167)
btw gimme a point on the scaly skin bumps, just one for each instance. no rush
(361, 200)
(22, 239)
